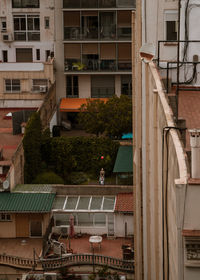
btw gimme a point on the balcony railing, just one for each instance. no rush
(27, 36)
(78, 4)
(102, 92)
(101, 33)
(97, 65)
(67, 261)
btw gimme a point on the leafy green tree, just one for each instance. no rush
(91, 116)
(118, 116)
(32, 146)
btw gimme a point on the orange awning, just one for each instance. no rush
(73, 104)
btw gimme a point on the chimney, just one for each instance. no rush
(195, 152)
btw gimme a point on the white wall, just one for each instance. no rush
(120, 220)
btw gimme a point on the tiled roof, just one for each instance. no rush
(191, 232)
(26, 202)
(124, 160)
(124, 202)
(189, 104)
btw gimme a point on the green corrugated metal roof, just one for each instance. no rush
(124, 160)
(26, 202)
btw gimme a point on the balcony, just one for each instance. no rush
(26, 36)
(108, 65)
(84, 4)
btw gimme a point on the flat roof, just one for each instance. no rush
(74, 104)
(19, 66)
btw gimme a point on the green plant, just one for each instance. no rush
(32, 148)
(48, 178)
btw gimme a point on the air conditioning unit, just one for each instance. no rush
(7, 37)
(3, 29)
(43, 88)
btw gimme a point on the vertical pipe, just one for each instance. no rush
(178, 54)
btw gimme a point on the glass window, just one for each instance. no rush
(30, 24)
(83, 203)
(71, 202)
(85, 219)
(5, 217)
(96, 203)
(61, 219)
(99, 219)
(46, 22)
(25, 3)
(59, 202)
(108, 203)
(12, 85)
(171, 18)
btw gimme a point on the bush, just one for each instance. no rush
(48, 178)
(78, 178)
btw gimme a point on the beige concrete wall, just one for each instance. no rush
(120, 220)
(26, 83)
(84, 86)
(7, 229)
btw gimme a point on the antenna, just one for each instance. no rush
(6, 184)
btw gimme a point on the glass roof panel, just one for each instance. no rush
(109, 203)
(59, 202)
(96, 203)
(71, 202)
(83, 203)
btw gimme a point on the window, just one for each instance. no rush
(126, 85)
(27, 27)
(24, 55)
(46, 22)
(37, 54)
(48, 52)
(12, 85)
(170, 18)
(5, 56)
(102, 86)
(72, 86)
(40, 85)
(25, 3)
(5, 217)
(3, 24)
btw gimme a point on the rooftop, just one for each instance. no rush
(26, 202)
(124, 202)
(23, 247)
(189, 104)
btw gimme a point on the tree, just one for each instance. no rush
(32, 146)
(112, 118)
(118, 116)
(91, 116)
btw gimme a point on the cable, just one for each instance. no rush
(165, 199)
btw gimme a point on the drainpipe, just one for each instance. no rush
(195, 152)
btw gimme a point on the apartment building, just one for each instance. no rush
(26, 52)
(93, 48)
(167, 231)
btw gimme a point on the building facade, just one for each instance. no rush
(93, 48)
(166, 210)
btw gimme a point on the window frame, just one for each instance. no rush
(22, 26)
(7, 217)
(170, 16)
(25, 4)
(11, 86)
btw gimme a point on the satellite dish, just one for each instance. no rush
(6, 184)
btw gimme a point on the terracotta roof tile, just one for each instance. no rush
(124, 202)
(191, 232)
(189, 104)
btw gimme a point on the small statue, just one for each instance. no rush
(102, 177)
